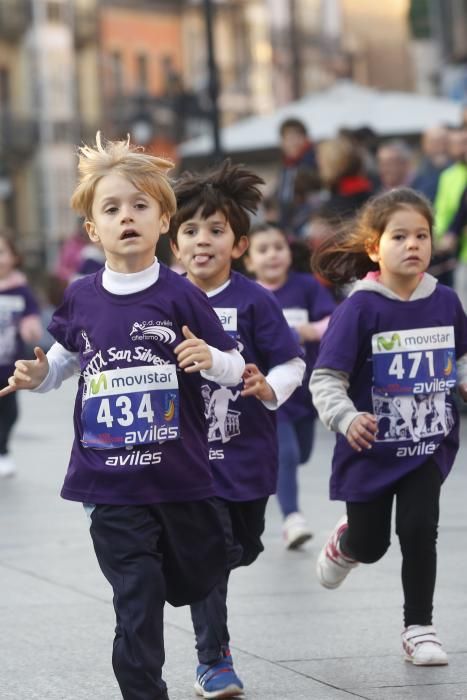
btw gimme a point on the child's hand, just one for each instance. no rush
(307, 333)
(255, 384)
(362, 432)
(463, 391)
(29, 374)
(193, 354)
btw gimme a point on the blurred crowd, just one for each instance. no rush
(322, 185)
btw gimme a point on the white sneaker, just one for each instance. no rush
(422, 646)
(7, 466)
(295, 531)
(332, 566)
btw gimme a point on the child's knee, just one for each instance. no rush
(367, 552)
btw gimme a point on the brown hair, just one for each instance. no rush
(145, 172)
(343, 256)
(264, 226)
(293, 124)
(338, 158)
(231, 189)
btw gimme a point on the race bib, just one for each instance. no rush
(228, 318)
(295, 317)
(132, 406)
(419, 361)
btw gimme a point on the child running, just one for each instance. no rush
(208, 231)
(307, 306)
(384, 380)
(139, 460)
(20, 324)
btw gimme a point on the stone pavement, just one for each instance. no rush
(291, 639)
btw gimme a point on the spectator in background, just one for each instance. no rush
(341, 170)
(367, 141)
(435, 150)
(394, 160)
(69, 257)
(451, 185)
(92, 258)
(298, 155)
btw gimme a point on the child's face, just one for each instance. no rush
(127, 224)
(206, 248)
(8, 259)
(404, 249)
(269, 257)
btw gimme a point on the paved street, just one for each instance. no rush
(291, 639)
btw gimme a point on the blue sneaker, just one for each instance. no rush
(218, 680)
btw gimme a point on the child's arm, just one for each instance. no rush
(195, 355)
(276, 387)
(312, 332)
(30, 328)
(337, 411)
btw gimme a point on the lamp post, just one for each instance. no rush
(213, 80)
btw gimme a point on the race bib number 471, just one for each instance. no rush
(419, 361)
(132, 406)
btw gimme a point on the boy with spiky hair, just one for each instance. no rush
(138, 335)
(208, 231)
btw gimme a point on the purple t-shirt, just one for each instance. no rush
(303, 300)
(401, 358)
(140, 432)
(15, 304)
(241, 430)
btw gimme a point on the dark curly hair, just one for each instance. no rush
(231, 189)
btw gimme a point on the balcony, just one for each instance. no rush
(18, 137)
(15, 17)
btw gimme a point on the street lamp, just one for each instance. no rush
(213, 81)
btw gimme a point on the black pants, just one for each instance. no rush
(417, 513)
(150, 554)
(243, 524)
(8, 417)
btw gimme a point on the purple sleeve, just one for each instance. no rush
(341, 344)
(460, 330)
(272, 336)
(60, 326)
(195, 311)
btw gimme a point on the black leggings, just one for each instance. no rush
(8, 417)
(417, 513)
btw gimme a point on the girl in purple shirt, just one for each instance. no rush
(307, 306)
(384, 380)
(20, 324)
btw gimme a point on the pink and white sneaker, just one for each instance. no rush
(332, 566)
(422, 646)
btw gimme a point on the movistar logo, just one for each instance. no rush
(388, 344)
(95, 385)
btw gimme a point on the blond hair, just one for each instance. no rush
(145, 172)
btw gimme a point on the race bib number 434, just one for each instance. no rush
(132, 406)
(419, 361)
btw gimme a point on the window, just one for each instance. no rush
(116, 72)
(142, 72)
